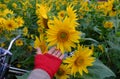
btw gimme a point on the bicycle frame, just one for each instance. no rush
(5, 62)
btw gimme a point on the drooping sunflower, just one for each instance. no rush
(42, 22)
(63, 72)
(41, 12)
(10, 25)
(41, 43)
(63, 35)
(81, 59)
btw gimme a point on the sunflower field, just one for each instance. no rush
(87, 32)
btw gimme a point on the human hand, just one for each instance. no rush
(50, 61)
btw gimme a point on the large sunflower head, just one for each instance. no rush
(63, 72)
(80, 60)
(63, 35)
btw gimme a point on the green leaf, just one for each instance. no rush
(90, 39)
(99, 71)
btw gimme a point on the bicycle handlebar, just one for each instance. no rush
(11, 43)
(5, 64)
(17, 71)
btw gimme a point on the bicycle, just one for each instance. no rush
(5, 62)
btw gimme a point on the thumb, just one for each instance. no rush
(38, 51)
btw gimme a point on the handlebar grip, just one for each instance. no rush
(13, 42)
(16, 72)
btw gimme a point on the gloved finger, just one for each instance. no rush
(38, 51)
(52, 50)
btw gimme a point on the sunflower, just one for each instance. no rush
(2, 22)
(53, 22)
(10, 25)
(29, 48)
(40, 30)
(108, 24)
(14, 5)
(80, 60)
(42, 11)
(40, 42)
(42, 22)
(6, 1)
(63, 35)
(63, 72)
(19, 20)
(19, 42)
(25, 31)
(3, 6)
(7, 11)
(112, 13)
(61, 14)
(72, 15)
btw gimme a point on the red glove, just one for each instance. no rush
(47, 62)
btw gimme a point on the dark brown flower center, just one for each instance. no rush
(60, 72)
(79, 61)
(62, 36)
(45, 23)
(62, 14)
(9, 25)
